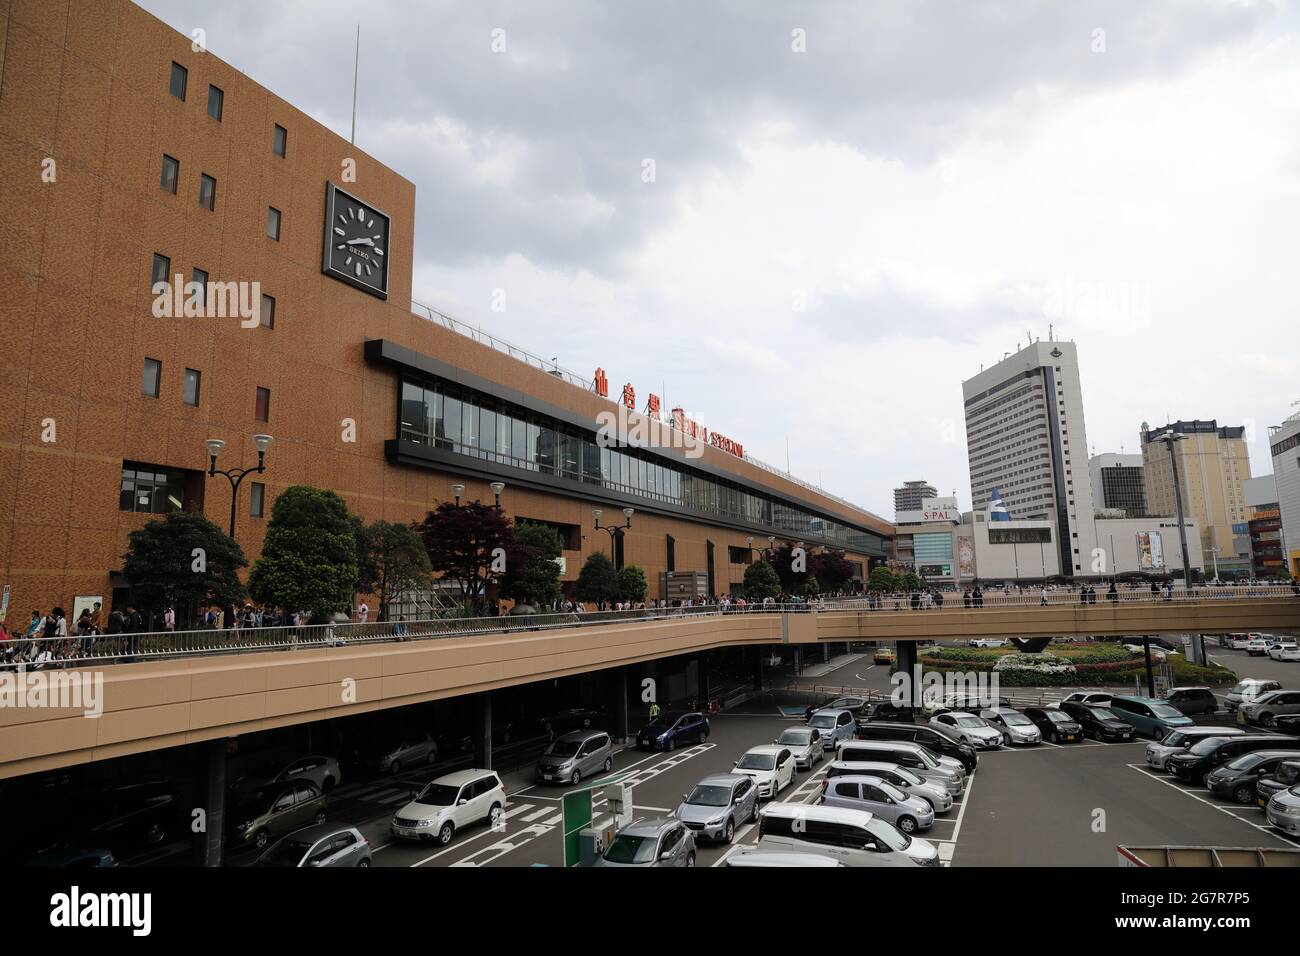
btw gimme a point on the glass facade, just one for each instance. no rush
(452, 418)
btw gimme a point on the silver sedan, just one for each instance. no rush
(1016, 727)
(805, 743)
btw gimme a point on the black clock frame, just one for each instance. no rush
(331, 194)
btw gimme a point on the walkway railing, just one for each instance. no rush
(1061, 597)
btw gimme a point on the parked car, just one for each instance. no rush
(1288, 724)
(571, 757)
(1236, 779)
(1285, 651)
(883, 655)
(970, 729)
(718, 804)
(1249, 688)
(1100, 723)
(970, 703)
(764, 858)
(73, 857)
(576, 718)
(769, 766)
(672, 729)
(1202, 757)
(1282, 777)
(1016, 728)
(325, 844)
(408, 749)
(657, 841)
(853, 837)
(862, 792)
(1192, 700)
(449, 803)
(937, 739)
(127, 819)
(1088, 697)
(1178, 741)
(887, 710)
(1283, 810)
(1055, 724)
(833, 726)
(275, 811)
(1257, 647)
(1152, 718)
(1238, 642)
(805, 743)
(933, 792)
(1267, 708)
(854, 705)
(321, 771)
(988, 642)
(944, 771)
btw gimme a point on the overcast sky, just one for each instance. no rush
(835, 238)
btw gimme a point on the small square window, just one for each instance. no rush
(180, 77)
(162, 267)
(207, 192)
(192, 376)
(273, 223)
(215, 100)
(152, 377)
(262, 404)
(257, 500)
(199, 278)
(171, 173)
(279, 140)
(266, 317)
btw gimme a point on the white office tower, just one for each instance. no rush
(1284, 444)
(1025, 437)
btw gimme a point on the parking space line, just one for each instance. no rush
(1271, 831)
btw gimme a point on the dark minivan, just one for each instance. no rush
(1203, 757)
(1192, 700)
(1056, 725)
(928, 737)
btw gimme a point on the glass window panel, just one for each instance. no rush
(192, 377)
(257, 499)
(487, 432)
(468, 425)
(546, 450)
(179, 79)
(279, 140)
(415, 416)
(433, 407)
(518, 441)
(590, 463)
(606, 463)
(451, 421)
(126, 500)
(152, 377)
(616, 467)
(504, 431)
(534, 438)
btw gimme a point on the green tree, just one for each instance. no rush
(534, 576)
(469, 544)
(390, 561)
(910, 581)
(184, 560)
(309, 557)
(882, 579)
(810, 587)
(631, 583)
(761, 581)
(597, 581)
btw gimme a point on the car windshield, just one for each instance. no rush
(1246, 761)
(563, 748)
(969, 721)
(1287, 773)
(287, 852)
(1058, 716)
(822, 721)
(1015, 720)
(1244, 687)
(705, 795)
(1206, 746)
(1102, 713)
(927, 758)
(904, 774)
(437, 795)
(795, 737)
(752, 761)
(631, 849)
(1176, 738)
(887, 835)
(1164, 710)
(892, 791)
(664, 721)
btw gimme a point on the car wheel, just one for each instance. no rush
(364, 864)
(1268, 720)
(729, 833)
(1244, 794)
(395, 767)
(433, 757)
(576, 778)
(444, 835)
(319, 817)
(260, 840)
(671, 745)
(586, 721)
(907, 824)
(156, 833)
(494, 815)
(609, 764)
(690, 859)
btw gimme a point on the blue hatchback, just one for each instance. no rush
(1151, 718)
(673, 729)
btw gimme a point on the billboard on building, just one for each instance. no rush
(1151, 552)
(966, 557)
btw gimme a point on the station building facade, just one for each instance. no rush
(127, 158)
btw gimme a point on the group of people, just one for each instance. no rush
(49, 639)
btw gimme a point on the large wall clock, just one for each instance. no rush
(356, 242)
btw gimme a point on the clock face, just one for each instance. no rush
(356, 242)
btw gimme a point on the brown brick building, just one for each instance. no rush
(124, 155)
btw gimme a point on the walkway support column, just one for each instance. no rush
(215, 802)
(758, 667)
(482, 732)
(907, 664)
(702, 680)
(618, 703)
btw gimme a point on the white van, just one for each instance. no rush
(853, 837)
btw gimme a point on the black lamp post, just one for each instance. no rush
(613, 529)
(236, 475)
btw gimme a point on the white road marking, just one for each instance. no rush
(540, 813)
(1261, 827)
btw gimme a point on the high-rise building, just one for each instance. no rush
(1024, 429)
(912, 494)
(1284, 443)
(1263, 545)
(1213, 467)
(1117, 483)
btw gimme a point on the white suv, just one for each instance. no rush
(450, 803)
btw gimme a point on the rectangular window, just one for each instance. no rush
(468, 425)
(518, 440)
(257, 500)
(192, 376)
(180, 77)
(273, 223)
(450, 423)
(279, 140)
(171, 172)
(487, 434)
(266, 317)
(152, 377)
(162, 267)
(414, 414)
(262, 404)
(207, 192)
(199, 281)
(215, 99)
(151, 489)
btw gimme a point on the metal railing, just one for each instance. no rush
(1060, 597)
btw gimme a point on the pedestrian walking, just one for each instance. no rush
(1042, 597)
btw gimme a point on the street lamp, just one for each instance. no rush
(458, 490)
(236, 475)
(613, 530)
(1169, 438)
(498, 487)
(1214, 553)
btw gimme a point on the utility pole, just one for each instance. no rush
(356, 65)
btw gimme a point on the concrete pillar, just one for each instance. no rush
(907, 661)
(618, 703)
(826, 653)
(798, 661)
(702, 680)
(757, 652)
(214, 756)
(482, 731)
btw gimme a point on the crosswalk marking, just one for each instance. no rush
(537, 813)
